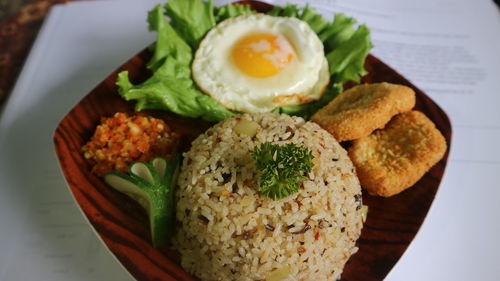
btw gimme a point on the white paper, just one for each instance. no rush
(447, 48)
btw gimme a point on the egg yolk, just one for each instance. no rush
(262, 55)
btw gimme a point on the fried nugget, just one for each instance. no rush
(360, 110)
(395, 158)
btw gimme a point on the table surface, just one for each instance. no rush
(20, 21)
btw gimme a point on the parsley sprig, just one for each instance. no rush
(282, 168)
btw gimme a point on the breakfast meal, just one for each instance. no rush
(395, 158)
(273, 190)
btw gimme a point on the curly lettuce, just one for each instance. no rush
(171, 87)
(191, 19)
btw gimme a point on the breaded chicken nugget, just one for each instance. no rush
(395, 158)
(360, 110)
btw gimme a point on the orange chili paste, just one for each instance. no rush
(122, 140)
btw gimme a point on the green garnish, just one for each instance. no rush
(152, 186)
(282, 168)
(191, 19)
(231, 11)
(171, 87)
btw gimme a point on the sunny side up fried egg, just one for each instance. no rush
(255, 63)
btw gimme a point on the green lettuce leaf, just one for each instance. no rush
(289, 10)
(347, 61)
(337, 32)
(168, 42)
(231, 11)
(307, 14)
(172, 88)
(192, 19)
(315, 20)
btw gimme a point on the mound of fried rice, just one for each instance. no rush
(229, 231)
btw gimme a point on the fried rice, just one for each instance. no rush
(229, 231)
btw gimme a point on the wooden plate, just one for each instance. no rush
(123, 225)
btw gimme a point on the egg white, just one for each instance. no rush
(302, 80)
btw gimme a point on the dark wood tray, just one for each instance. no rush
(123, 225)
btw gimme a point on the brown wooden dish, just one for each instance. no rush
(122, 224)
